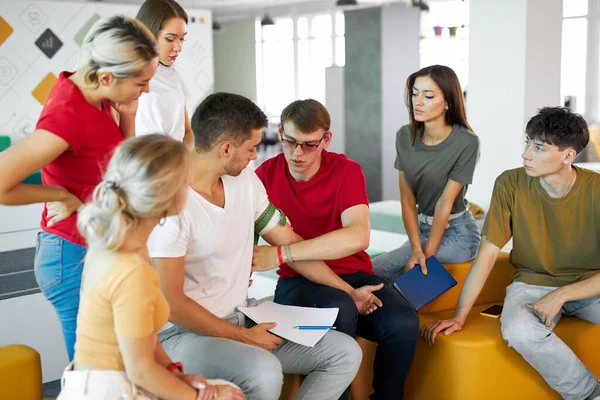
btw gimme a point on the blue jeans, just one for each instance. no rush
(459, 243)
(58, 267)
(540, 347)
(395, 326)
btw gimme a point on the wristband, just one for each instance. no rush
(288, 253)
(175, 365)
(280, 256)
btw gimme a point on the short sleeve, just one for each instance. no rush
(261, 200)
(171, 239)
(498, 223)
(464, 168)
(354, 188)
(399, 142)
(134, 302)
(62, 120)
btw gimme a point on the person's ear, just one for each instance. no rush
(105, 78)
(569, 156)
(225, 149)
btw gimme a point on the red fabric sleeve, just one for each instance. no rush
(354, 188)
(62, 120)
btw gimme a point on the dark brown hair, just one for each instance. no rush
(307, 116)
(559, 126)
(225, 116)
(449, 84)
(154, 13)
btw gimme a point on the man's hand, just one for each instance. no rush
(129, 108)
(60, 210)
(259, 336)
(449, 326)
(264, 258)
(548, 307)
(366, 302)
(417, 258)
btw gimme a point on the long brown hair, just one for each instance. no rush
(448, 82)
(154, 13)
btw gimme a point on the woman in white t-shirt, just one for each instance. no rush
(163, 110)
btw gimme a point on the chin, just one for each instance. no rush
(531, 173)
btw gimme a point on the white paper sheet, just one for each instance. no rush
(287, 317)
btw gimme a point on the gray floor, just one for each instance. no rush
(51, 389)
(16, 273)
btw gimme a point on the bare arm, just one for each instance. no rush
(411, 223)
(316, 271)
(443, 208)
(353, 237)
(124, 114)
(139, 357)
(23, 159)
(550, 305)
(188, 136)
(478, 274)
(191, 316)
(319, 272)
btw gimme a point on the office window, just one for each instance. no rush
(574, 53)
(292, 57)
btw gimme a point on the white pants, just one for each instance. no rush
(106, 385)
(99, 385)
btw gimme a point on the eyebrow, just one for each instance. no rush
(174, 34)
(426, 90)
(294, 139)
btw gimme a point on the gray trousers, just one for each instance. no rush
(540, 347)
(329, 366)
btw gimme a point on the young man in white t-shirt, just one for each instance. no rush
(204, 258)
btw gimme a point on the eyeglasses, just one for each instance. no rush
(307, 147)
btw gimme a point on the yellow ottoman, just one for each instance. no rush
(20, 373)
(476, 363)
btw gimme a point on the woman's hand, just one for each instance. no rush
(60, 210)
(417, 258)
(227, 392)
(198, 382)
(129, 108)
(448, 326)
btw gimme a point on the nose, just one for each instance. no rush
(418, 100)
(253, 156)
(298, 149)
(177, 46)
(527, 153)
(146, 88)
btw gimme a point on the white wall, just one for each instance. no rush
(514, 69)
(400, 58)
(235, 58)
(31, 320)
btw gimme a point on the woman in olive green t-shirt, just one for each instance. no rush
(436, 157)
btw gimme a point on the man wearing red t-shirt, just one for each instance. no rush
(324, 196)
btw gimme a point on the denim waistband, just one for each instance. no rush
(426, 219)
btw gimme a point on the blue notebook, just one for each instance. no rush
(420, 289)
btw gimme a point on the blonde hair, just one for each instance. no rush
(120, 45)
(141, 181)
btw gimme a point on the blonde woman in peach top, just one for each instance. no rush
(117, 354)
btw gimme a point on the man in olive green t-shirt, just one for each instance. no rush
(551, 209)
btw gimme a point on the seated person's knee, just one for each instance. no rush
(520, 332)
(264, 379)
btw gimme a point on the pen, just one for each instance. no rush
(314, 327)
